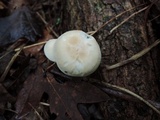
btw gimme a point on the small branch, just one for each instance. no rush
(10, 110)
(50, 29)
(29, 46)
(134, 57)
(45, 104)
(127, 19)
(4, 55)
(132, 94)
(120, 14)
(155, 18)
(36, 112)
(9, 65)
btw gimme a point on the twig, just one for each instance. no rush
(45, 104)
(120, 14)
(9, 65)
(155, 18)
(135, 13)
(36, 112)
(132, 94)
(10, 110)
(29, 46)
(5, 54)
(134, 57)
(47, 24)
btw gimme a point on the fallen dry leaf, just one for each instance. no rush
(20, 24)
(4, 95)
(63, 98)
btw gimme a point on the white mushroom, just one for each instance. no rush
(75, 52)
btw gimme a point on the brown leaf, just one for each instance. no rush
(20, 24)
(67, 95)
(4, 95)
(30, 94)
(63, 98)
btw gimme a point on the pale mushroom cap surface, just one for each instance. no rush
(49, 49)
(77, 53)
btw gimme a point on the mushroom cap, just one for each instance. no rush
(77, 53)
(49, 49)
